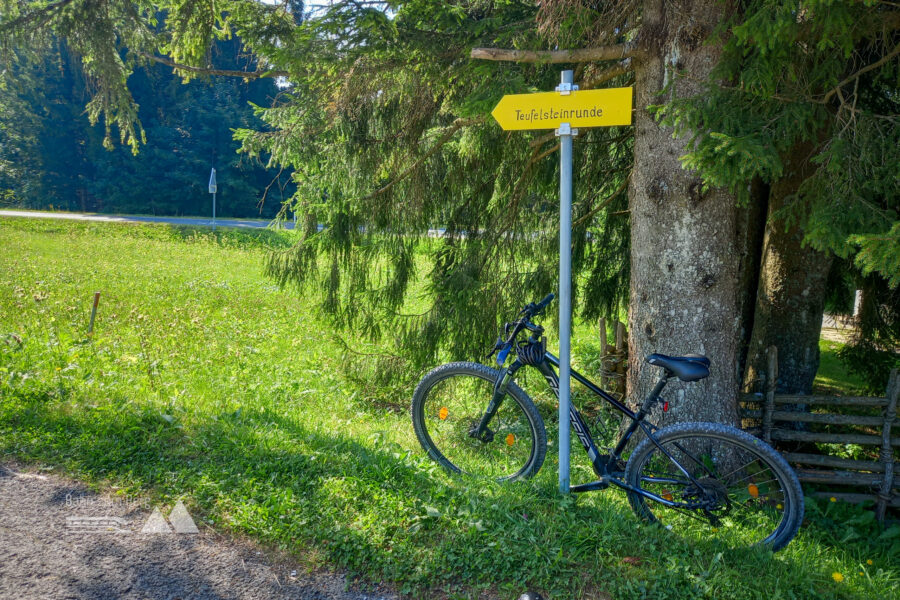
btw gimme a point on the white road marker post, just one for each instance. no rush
(212, 190)
(565, 134)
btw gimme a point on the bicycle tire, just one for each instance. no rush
(451, 398)
(747, 490)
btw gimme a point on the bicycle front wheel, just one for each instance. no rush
(448, 404)
(740, 490)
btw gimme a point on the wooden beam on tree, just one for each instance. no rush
(615, 52)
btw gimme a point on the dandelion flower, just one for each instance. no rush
(833, 499)
(837, 577)
(869, 561)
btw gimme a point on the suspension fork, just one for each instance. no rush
(481, 431)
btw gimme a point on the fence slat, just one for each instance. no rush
(855, 498)
(820, 400)
(771, 384)
(828, 419)
(839, 477)
(783, 435)
(887, 453)
(823, 460)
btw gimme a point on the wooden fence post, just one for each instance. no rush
(604, 348)
(887, 453)
(771, 384)
(621, 356)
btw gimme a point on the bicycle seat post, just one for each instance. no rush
(654, 395)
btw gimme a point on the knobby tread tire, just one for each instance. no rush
(472, 369)
(789, 526)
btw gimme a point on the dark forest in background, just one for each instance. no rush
(50, 156)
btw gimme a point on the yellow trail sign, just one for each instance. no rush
(580, 108)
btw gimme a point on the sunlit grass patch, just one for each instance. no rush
(204, 381)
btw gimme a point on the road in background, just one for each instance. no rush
(196, 221)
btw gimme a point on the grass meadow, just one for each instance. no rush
(206, 382)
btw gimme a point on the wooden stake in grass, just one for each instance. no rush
(90, 332)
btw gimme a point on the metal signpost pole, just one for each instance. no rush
(565, 133)
(560, 110)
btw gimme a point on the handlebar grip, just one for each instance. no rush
(543, 303)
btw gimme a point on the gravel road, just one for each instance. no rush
(58, 540)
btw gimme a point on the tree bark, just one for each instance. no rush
(791, 292)
(685, 248)
(751, 232)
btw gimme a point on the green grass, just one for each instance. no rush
(207, 383)
(833, 376)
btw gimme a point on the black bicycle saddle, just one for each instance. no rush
(691, 367)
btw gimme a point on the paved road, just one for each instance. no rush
(255, 223)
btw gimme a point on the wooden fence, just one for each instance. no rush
(763, 412)
(614, 359)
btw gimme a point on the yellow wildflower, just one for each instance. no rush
(837, 577)
(833, 499)
(869, 561)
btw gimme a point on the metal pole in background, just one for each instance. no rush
(212, 190)
(565, 133)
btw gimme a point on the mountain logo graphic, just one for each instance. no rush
(179, 518)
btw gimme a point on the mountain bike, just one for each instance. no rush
(702, 480)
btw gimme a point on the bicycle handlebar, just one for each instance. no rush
(530, 310)
(533, 309)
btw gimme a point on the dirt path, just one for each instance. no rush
(58, 541)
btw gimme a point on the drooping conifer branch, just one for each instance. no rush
(445, 137)
(884, 59)
(614, 52)
(209, 71)
(41, 16)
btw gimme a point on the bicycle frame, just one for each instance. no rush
(601, 462)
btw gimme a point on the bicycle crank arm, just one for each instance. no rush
(593, 486)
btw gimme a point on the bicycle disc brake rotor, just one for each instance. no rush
(710, 492)
(486, 436)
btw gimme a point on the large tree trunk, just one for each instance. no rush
(791, 292)
(685, 244)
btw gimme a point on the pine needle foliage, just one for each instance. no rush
(425, 223)
(818, 72)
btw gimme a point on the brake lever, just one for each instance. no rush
(497, 345)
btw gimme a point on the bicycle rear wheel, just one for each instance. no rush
(450, 401)
(743, 492)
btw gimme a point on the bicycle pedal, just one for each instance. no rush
(600, 484)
